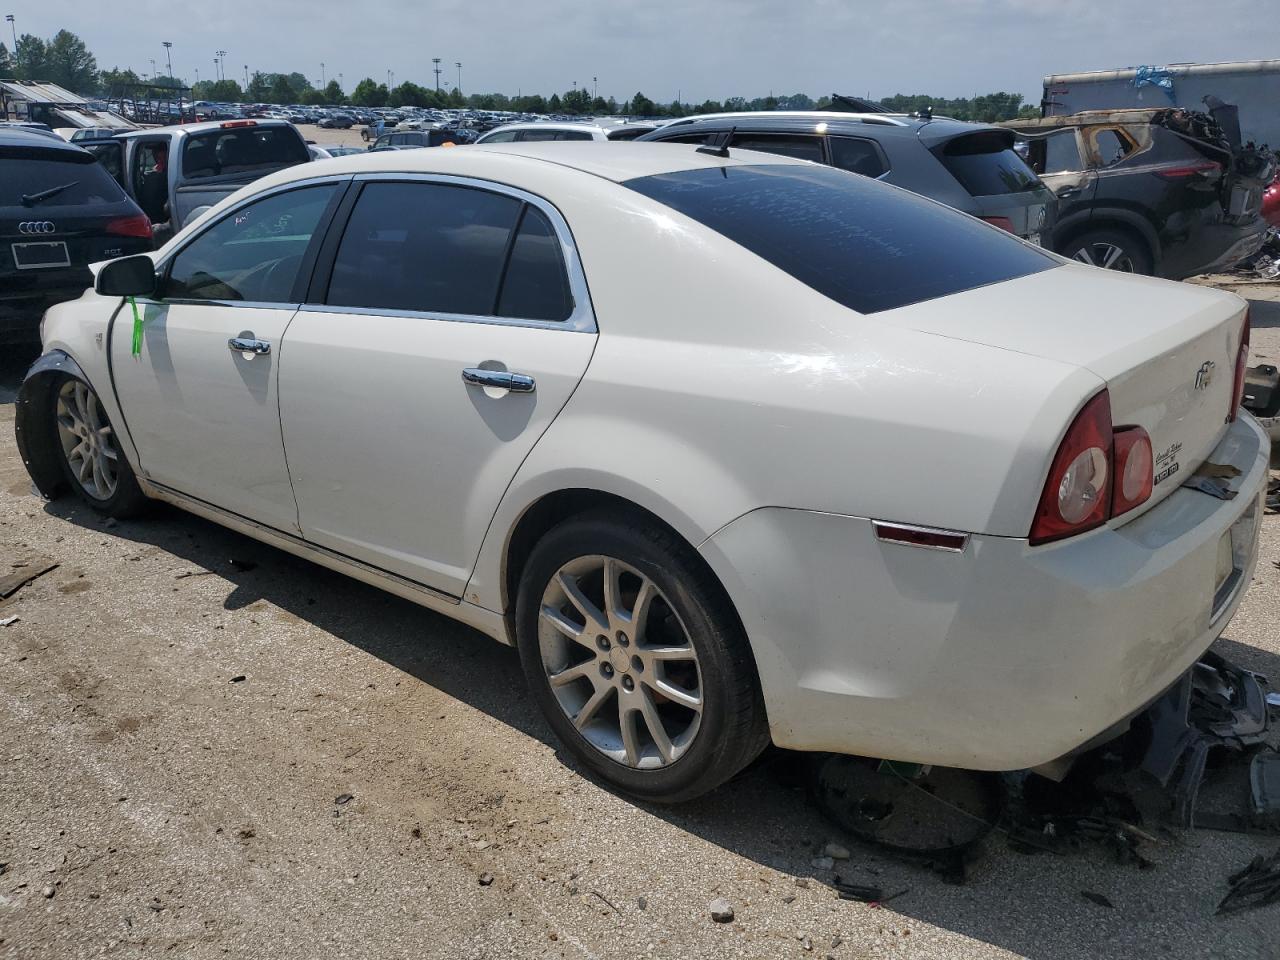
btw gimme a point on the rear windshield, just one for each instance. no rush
(84, 182)
(864, 244)
(986, 165)
(238, 149)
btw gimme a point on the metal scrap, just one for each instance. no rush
(1256, 885)
(23, 573)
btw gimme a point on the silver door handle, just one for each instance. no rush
(248, 345)
(501, 379)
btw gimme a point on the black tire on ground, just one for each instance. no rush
(733, 727)
(127, 500)
(1097, 246)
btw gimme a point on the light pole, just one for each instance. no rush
(321, 74)
(168, 45)
(459, 66)
(246, 76)
(14, 27)
(222, 64)
(594, 81)
(153, 70)
(341, 83)
(436, 61)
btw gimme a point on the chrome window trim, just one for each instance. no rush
(581, 320)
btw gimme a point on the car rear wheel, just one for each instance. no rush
(636, 658)
(91, 458)
(1111, 250)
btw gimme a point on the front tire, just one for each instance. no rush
(91, 459)
(637, 659)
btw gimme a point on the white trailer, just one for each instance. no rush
(1251, 85)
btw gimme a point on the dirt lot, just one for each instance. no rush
(211, 748)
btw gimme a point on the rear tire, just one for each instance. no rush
(91, 459)
(598, 661)
(1111, 250)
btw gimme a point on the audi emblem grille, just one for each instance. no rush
(33, 228)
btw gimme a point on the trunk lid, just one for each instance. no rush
(1165, 351)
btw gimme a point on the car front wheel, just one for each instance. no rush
(637, 659)
(91, 458)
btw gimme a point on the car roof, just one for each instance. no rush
(204, 126)
(520, 163)
(31, 137)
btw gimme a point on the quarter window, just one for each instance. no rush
(426, 247)
(253, 253)
(535, 286)
(856, 156)
(501, 136)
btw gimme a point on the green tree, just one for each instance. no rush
(259, 87)
(68, 63)
(409, 94)
(641, 106)
(6, 62)
(282, 91)
(333, 93)
(576, 101)
(115, 81)
(224, 91)
(553, 105)
(313, 97)
(31, 59)
(369, 94)
(600, 106)
(298, 82)
(709, 106)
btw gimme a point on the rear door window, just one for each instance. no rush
(1111, 145)
(501, 136)
(786, 145)
(857, 156)
(1058, 153)
(424, 247)
(986, 165)
(857, 241)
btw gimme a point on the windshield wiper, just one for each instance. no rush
(31, 199)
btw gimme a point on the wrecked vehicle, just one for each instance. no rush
(822, 485)
(1165, 193)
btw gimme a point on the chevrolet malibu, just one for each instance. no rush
(856, 472)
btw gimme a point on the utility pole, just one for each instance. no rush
(459, 66)
(168, 45)
(436, 61)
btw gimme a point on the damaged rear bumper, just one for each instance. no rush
(1001, 657)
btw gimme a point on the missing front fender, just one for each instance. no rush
(33, 421)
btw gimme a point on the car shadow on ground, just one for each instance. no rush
(1028, 904)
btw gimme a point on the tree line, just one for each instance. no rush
(66, 61)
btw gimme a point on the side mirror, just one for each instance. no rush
(127, 277)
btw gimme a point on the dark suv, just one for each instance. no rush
(412, 139)
(969, 166)
(59, 211)
(1160, 192)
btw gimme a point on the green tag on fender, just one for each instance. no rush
(137, 327)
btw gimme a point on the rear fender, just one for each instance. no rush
(33, 420)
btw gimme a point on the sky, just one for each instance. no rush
(703, 50)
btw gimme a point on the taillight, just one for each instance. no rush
(135, 226)
(232, 124)
(1190, 170)
(1004, 223)
(1077, 495)
(1135, 474)
(1242, 361)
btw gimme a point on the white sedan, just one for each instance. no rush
(733, 448)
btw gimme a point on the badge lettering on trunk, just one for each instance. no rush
(1204, 376)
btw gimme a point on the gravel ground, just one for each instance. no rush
(211, 748)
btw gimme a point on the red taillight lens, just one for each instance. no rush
(1134, 470)
(1004, 223)
(232, 124)
(1178, 173)
(1077, 495)
(1242, 361)
(136, 226)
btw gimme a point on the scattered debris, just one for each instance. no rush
(244, 566)
(486, 879)
(343, 799)
(605, 900)
(9, 621)
(642, 903)
(1256, 885)
(194, 573)
(874, 896)
(835, 851)
(238, 678)
(23, 573)
(721, 910)
(1097, 898)
(47, 892)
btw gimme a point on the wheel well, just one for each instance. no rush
(1099, 226)
(34, 429)
(554, 509)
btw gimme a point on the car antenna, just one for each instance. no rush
(717, 145)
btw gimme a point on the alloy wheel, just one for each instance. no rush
(1105, 255)
(619, 662)
(88, 442)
